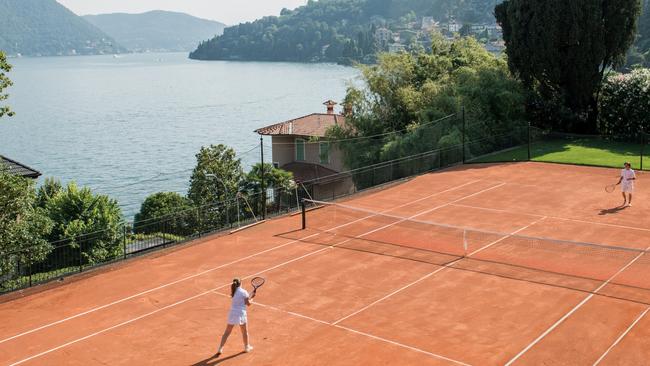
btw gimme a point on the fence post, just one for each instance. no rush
(303, 209)
(124, 240)
(80, 257)
(528, 132)
(262, 179)
(463, 131)
(643, 142)
(30, 272)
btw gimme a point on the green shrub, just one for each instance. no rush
(625, 105)
(163, 212)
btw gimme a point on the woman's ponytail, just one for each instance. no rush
(233, 287)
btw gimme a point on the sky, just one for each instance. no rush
(226, 11)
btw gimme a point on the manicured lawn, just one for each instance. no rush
(585, 151)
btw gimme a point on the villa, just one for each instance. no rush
(301, 147)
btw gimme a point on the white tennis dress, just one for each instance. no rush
(627, 185)
(237, 315)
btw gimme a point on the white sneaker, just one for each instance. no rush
(219, 352)
(629, 205)
(248, 348)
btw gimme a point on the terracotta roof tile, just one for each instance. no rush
(313, 125)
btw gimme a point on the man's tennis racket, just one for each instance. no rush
(257, 282)
(610, 188)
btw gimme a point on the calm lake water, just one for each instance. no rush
(130, 126)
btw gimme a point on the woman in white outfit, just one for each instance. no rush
(237, 315)
(627, 179)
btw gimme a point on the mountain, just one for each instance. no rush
(47, 28)
(341, 30)
(156, 30)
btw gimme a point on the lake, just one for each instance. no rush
(129, 126)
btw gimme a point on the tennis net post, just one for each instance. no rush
(303, 211)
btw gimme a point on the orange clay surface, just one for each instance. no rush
(362, 289)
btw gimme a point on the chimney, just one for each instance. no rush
(330, 106)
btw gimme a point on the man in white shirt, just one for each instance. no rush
(627, 179)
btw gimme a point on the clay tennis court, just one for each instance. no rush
(508, 264)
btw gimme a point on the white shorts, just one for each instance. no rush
(627, 187)
(237, 318)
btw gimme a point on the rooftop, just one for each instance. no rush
(313, 125)
(17, 168)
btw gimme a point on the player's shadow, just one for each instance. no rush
(611, 211)
(214, 360)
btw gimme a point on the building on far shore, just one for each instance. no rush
(17, 168)
(301, 147)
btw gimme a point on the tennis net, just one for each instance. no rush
(620, 272)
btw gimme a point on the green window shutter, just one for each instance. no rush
(300, 150)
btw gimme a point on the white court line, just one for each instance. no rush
(201, 294)
(584, 301)
(215, 268)
(448, 265)
(148, 314)
(554, 217)
(434, 355)
(621, 337)
(403, 345)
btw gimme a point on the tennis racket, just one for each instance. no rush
(610, 188)
(257, 282)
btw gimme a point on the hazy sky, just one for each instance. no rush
(226, 11)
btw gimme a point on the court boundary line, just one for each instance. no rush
(266, 270)
(351, 330)
(142, 316)
(620, 338)
(293, 241)
(554, 217)
(429, 275)
(575, 308)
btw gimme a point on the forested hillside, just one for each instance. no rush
(156, 30)
(46, 28)
(337, 30)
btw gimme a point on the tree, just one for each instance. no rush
(466, 30)
(86, 222)
(276, 179)
(214, 183)
(406, 98)
(625, 105)
(273, 178)
(50, 188)
(562, 50)
(5, 82)
(23, 226)
(170, 208)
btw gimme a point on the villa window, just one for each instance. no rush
(300, 150)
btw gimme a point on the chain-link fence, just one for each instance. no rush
(384, 159)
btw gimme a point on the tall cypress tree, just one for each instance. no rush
(562, 49)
